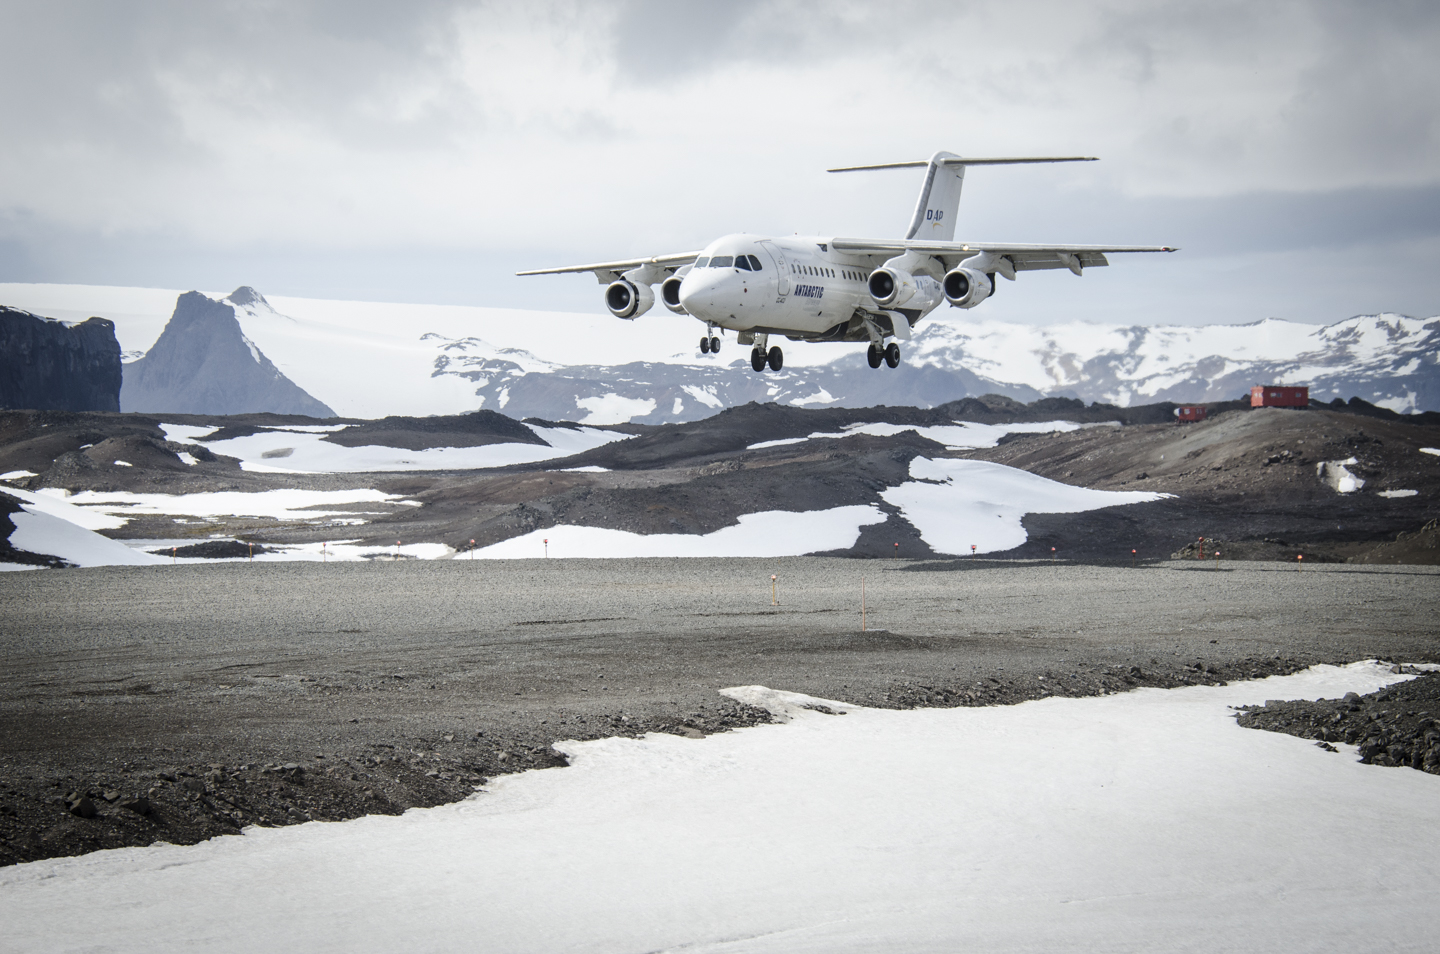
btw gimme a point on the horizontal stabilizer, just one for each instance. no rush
(962, 161)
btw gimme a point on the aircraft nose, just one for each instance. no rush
(696, 291)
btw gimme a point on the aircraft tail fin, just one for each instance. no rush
(939, 201)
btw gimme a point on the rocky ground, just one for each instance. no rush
(1250, 482)
(179, 703)
(1393, 727)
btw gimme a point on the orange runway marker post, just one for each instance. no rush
(773, 600)
(172, 555)
(546, 541)
(324, 551)
(472, 549)
(1299, 562)
(1132, 558)
(1052, 554)
(1217, 559)
(252, 551)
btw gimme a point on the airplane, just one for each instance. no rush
(822, 288)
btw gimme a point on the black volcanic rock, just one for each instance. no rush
(204, 364)
(48, 365)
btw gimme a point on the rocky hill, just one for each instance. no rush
(51, 365)
(204, 364)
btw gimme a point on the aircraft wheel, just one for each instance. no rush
(874, 356)
(776, 358)
(704, 345)
(892, 355)
(714, 345)
(757, 359)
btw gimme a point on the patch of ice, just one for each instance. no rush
(613, 409)
(959, 503)
(123, 463)
(1430, 450)
(821, 396)
(187, 458)
(1399, 493)
(769, 533)
(305, 428)
(705, 396)
(591, 469)
(1031, 827)
(18, 475)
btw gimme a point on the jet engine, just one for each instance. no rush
(966, 288)
(670, 294)
(890, 287)
(625, 299)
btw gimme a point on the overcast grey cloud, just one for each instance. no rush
(423, 151)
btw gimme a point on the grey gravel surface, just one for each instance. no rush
(272, 693)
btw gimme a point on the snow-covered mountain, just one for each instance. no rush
(204, 364)
(370, 359)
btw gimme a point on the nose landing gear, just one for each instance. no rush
(709, 344)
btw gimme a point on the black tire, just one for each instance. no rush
(776, 358)
(874, 356)
(892, 355)
(714, 345)
(757, 359)
(704, 345)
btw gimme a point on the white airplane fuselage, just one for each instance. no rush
(803, 288)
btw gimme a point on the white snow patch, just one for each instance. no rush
(705, 396)
(1399, 493)
(1143, 821)
(186, 433)
(590, 469)
(18, 475)
(286, 504)
(1430, 450)
(678, 406)
(764, 534)
(1336, 474)
(309, 452)
(305, 428)
(37, 531)
(613, 409)
(959, 503)
(123, 463)
(821, 396)
(779, 443)
(187, 458)
(54, 503)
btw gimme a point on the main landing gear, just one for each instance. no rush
(775, 358)
(710, 345)
(890, 354)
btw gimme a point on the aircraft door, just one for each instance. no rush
(782, 271)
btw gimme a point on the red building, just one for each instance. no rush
(1185, 414)
(1272, 396)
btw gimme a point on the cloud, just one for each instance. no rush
(326, 129)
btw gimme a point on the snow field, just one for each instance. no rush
(957, 503)
(768, 533)
(303, 450)
(1147, 821)
(961, 435)
(287, 504)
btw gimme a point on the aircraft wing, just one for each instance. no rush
(1023, 257)
(607, 272)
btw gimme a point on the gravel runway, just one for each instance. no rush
(271, 693)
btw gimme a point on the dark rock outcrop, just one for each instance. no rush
(204, 364)
(48, 365)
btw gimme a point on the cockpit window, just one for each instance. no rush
(721, 261)
(742, 262)
(701, 262)
(754, 263)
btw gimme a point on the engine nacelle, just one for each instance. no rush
(890, 287)
(625, 299)
(966, 288)
(670, 294)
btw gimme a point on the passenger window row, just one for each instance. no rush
(845, 273)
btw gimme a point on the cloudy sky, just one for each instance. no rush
(424, 151)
